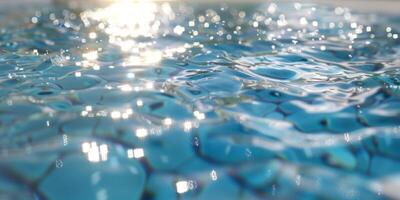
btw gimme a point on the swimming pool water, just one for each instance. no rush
(145, 100)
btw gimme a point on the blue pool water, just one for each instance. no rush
(142, 100)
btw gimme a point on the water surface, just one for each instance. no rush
(143, 100)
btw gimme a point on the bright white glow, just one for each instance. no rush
(139, 102)
(125, 20)
(129, 111)
(145, 57)
(141, 132)
(91, 56)
(135, 153)
(255, 24)
(95, 153)
(115, 114)
(138, 153)
(339, 11)
(192, 23)
(103, 152)
(168, 121)
(149, 85)
(272, 8)
(179, 30)
(129, 152)
(125, 88)
(92, 35)
(96, 67)
(303, 21)
(130, 75)
(34, 20)
(347, 137)
(182, 187)
(213, 175)
(141, 20)
(84, 113)
(88, 108)
(199, 115)
(187, 125)
(125, 115)
(85, 147)
(297, 6)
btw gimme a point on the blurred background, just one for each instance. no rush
(386, 6)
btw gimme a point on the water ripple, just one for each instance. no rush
(145, 100)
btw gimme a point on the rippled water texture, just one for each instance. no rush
(199, 101)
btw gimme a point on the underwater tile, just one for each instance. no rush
(4, 68)
(289, 107)
(269, 95)
(81, 179)
(33, 167)
(307, 122)
(383, 115)
(219, 84)
(363, 160)
(382, 166)
(259, 175)
(223, 188)
(79, 126)
(388, 145)
(280, 74)
(12, 190)
(256, 109)
(161, 186)
(78, 83)
(168, 151)
(220, 150)
(62, 106)
(342, 123)
(163, 107)
(275, 115)
(341, 157)
(195, 165)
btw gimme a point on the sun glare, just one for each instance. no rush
(126, 21)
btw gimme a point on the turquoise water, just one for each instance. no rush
(199, 101)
